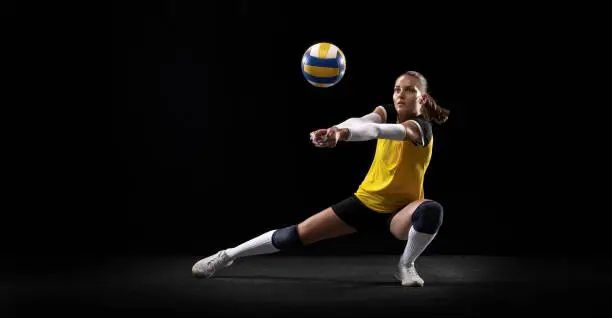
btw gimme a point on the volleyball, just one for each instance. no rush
(323, 65)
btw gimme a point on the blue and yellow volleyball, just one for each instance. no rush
(323, 65)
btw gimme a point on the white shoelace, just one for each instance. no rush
(409, 270)
(215, 261)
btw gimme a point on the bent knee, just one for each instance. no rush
(428, 217)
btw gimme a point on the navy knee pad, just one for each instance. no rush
(427, 218)
(286, 238)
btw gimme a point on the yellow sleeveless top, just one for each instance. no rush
(396, 175)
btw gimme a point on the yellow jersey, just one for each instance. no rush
(397, 172)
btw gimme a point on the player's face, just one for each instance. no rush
(405, 91)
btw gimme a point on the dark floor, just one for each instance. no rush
(290, 286)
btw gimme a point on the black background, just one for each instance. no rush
(211, 116)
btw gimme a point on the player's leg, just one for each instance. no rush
(323, 225)
(417, 224)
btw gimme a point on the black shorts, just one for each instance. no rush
(365, 220)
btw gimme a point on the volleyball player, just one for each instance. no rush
(390, 198)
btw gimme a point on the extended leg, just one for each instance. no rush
(320, 226)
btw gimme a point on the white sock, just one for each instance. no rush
(256, 246)
(416, 244)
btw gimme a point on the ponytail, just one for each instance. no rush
(434, 112)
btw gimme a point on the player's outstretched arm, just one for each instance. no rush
(327, 138)
(377, 116)
(408, 130)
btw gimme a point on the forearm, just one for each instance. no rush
(356, 121)
(370, 131)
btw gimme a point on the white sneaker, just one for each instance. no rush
(408, 276)
(206, 267)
